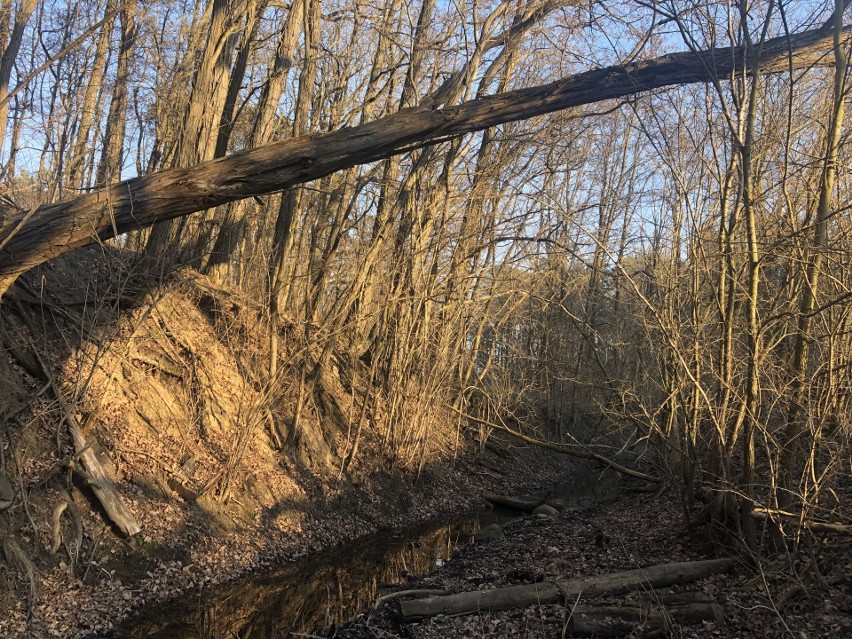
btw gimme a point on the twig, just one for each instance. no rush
(92, 557)
(765, 514)
(576, 452)
(131, 451)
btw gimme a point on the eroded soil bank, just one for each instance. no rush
(225, 471)
(636, 530)
(167, 384)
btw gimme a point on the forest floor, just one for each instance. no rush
(120, 578)
(634, 531)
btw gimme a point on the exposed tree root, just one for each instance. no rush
(18, 559)
(56, 524)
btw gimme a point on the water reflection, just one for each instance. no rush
(309, 598)
(312, 596)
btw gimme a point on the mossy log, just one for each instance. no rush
(658, 576)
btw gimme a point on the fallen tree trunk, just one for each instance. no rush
(618, 621)
(28, 238)
(558, 591)
(101, 484)
(516, 503)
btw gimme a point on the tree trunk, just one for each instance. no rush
(791, 461)
(33, 237)
(199, 129)
(89, 108)
(22, 17)
(111, 160)
(262, 132)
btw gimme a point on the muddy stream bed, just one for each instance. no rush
(310, 597)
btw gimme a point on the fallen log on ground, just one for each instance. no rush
(658, 576)
(517, 503)
(100, 483)
(618, 621)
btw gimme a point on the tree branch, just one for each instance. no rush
(30, 238)
(583, 452)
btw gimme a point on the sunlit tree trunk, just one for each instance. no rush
(199, 129)
(798, 417)
(81, 152)
(10, 53)
(112, 152)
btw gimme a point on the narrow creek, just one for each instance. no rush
(311, 596)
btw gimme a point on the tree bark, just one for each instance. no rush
(33, 237)
(7, 60)
(102, 485)
(90, 106)
(797, 421)
(199, 129)
(262, 132)
(113, 144)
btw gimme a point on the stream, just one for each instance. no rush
(311, 596)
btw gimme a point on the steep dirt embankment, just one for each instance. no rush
(168, 385)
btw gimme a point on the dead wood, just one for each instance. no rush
(401, 594)
(618, 621)
(66, 504)
(517, 503)
(56, 526)
(101, 484)
(658, 576)
(28, 238)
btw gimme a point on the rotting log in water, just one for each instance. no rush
(658, 576)
(29, 238)
(618, 621)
